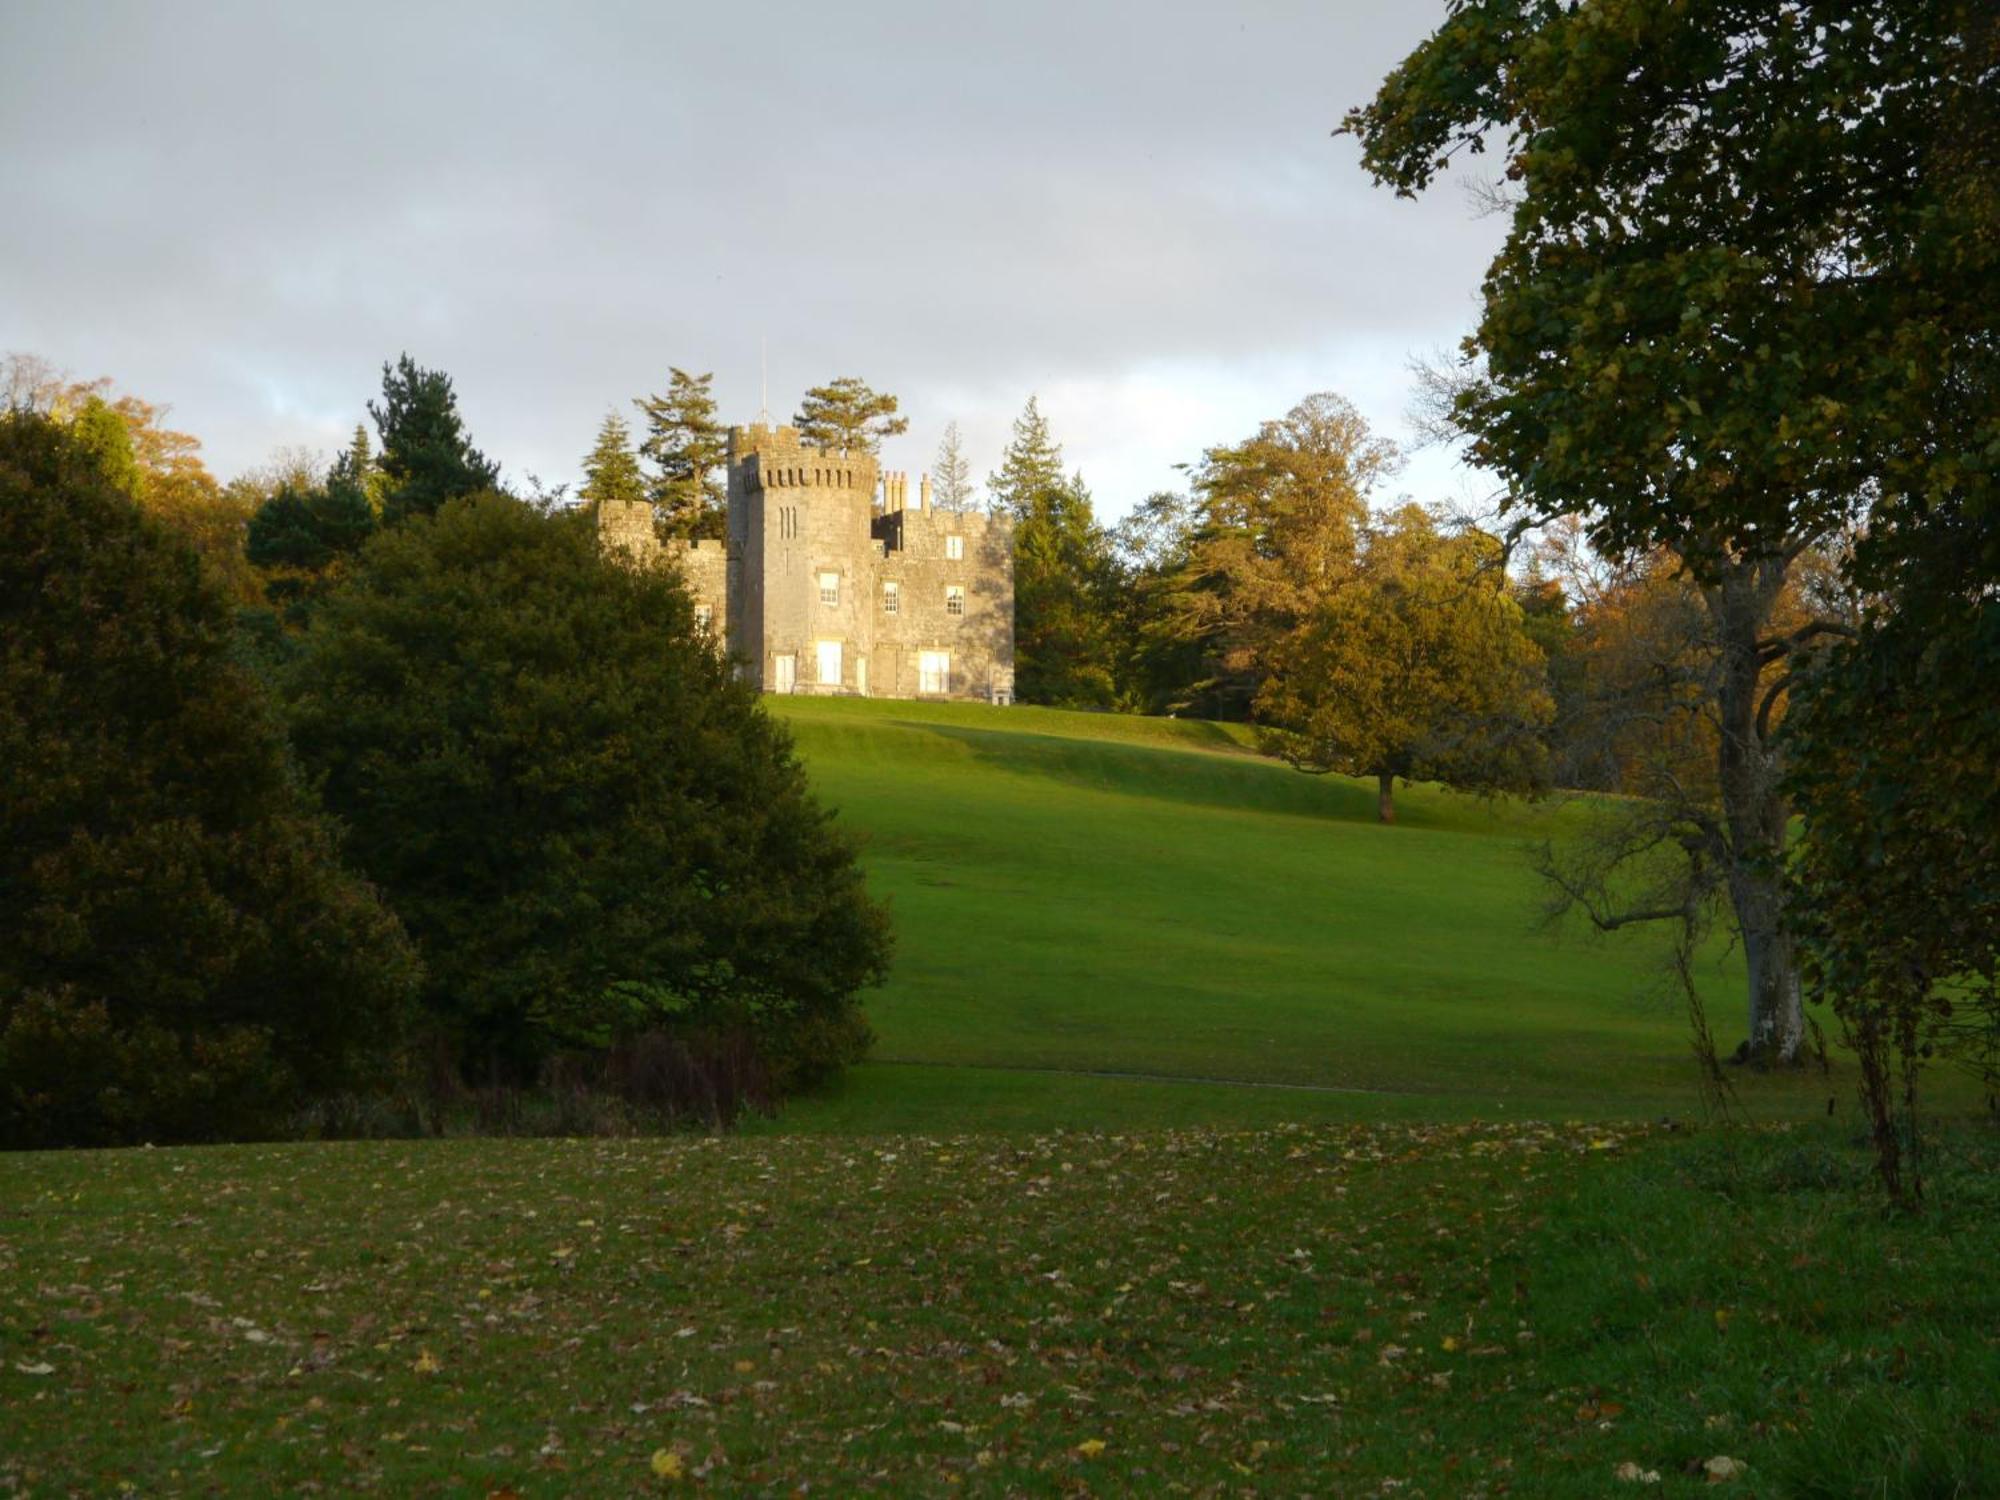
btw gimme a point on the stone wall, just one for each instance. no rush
(815, 540)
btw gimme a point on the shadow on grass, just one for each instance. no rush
(1167, 773)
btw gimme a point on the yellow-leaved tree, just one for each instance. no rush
(1418, 664)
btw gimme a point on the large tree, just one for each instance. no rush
(687, 447)
(181, 953)
(1417, 665)
(427, 457)
(578, 809)
(1274, 526)
(1712, 327)
(847, 416)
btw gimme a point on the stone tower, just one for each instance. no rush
(833, 582)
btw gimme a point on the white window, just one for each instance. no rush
(829, 588)
(954, 599)
(704, 615)
(954, 547)
(892, 598)
(933, 671)
(829, 662)
(785, 674)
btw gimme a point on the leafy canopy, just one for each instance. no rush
(1734, 291)
(1272, 531)
(1417, 664)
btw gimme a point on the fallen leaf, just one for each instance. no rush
(426, 1363)
(1090, 1447)
(666, 1464)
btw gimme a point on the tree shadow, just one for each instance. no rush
(1192, 776)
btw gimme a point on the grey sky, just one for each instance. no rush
(1135, 210)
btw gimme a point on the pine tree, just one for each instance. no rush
(951, 473)
(1031, 464)
(846, 416)
(357, 464)
(611, 472)
(427, 458)
(1065, 600)
(686, 446)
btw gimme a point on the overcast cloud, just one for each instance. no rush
(1137, 211)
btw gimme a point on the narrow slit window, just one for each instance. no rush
(954, 547)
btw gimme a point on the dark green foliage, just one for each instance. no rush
(1066, 601)
(1895, 741)
(1895, 736)
(584, 819)
(1738, 282)
(426, 458)
(301, 538)
(848, 416)
(171, 904)
(1163, 669)
(686, 446)
(70, 1075)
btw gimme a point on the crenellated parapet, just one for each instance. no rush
(768, 458)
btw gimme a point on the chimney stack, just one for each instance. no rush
(923, 492)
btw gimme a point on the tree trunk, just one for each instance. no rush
(1385, 797)
(1755, 815)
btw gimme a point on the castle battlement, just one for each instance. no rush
(833, 582)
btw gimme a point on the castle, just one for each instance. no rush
(830, 581)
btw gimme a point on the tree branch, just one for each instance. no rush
(1774, 647)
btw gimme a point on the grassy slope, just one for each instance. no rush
(1090, 893)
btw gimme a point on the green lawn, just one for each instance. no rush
(1081, 894)
(1205, 1152)
(1485, 1310)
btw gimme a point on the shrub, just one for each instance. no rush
(577, 808)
